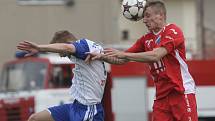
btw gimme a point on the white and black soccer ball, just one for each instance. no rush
(133, 9)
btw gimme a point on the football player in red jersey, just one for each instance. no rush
(163, 48)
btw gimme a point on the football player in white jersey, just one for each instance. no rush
(87, 84)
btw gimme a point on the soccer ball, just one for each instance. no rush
(133, 9)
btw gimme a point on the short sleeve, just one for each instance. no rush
(81, 47)
(172, 38)
(168, 43)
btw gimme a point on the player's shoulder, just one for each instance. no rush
(89, 42)
(146, 36)
(93, 45)
(85, 42)
(171, 26)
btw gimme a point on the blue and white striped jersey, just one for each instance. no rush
(89, 79)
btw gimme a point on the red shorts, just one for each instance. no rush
(175, 107)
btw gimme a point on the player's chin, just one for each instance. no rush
(150, 28)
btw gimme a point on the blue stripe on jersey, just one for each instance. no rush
(81, 48)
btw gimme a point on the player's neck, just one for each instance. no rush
(159, 28)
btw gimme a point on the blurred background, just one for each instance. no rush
(102, 21)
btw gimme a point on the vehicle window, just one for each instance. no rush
(24, 76)
(61, 76)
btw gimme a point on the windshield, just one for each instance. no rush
(23, 76)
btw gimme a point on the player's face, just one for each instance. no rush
(152, 19)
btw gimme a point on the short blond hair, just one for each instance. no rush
(158, 4)
(63, 36)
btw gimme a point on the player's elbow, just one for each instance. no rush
(69, 48)
(158, 54)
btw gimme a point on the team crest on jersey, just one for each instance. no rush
(158, 40)
(148, 42)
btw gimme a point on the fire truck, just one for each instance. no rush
(32, 84)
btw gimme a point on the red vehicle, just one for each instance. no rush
(32, 84)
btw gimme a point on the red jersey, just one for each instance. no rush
(171, 72)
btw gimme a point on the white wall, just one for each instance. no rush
(129, 97)
(92, 19)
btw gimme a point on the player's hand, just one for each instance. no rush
(87, 60)
(114, 53)
(29, 47)
(92, 56)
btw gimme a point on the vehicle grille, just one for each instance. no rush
(13, 114)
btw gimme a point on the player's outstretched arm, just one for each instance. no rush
(99, 56)
(114, 60)
(34, 48)
(149, 56)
